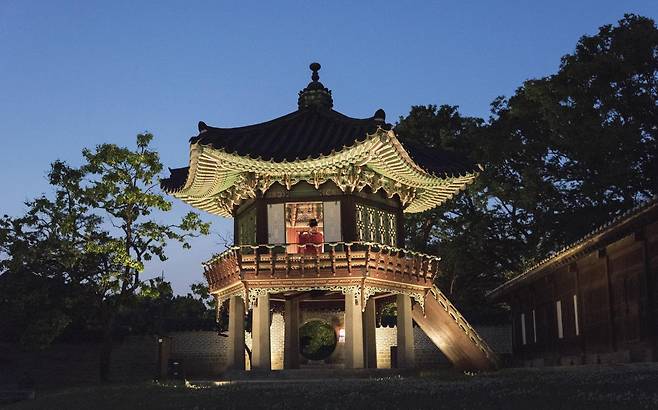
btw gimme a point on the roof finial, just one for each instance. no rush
(315, 95)
(315, 67)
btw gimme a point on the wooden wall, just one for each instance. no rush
(608, 306)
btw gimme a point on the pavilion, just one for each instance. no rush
(356, 178)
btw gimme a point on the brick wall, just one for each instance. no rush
(386, 337)
(427, 354)
(201, 353)
(277, 330)
(499, 338)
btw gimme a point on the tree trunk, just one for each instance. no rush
(106, 350)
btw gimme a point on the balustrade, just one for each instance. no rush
(333, 259)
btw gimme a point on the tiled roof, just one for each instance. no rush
(310, 133)
(303, 134)
(315, 141)
(177, 178)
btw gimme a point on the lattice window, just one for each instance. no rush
(360, 222)
(376, 225)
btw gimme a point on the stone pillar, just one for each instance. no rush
(369, 335)
(236, 333)
(260, 335)
(406, 351)
(353, 332)
(291, 335)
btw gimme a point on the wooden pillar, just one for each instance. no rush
(236, 333)
(260, 332)
(261, 223)
(348, 218)
(291, 342)
(236, 230)
(406, 351)
(648, 322)
(580, 308)
(370, 335)
(399, 217)
(611, 301)
(353, 332)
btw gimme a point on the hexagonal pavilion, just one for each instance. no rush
(318, 200)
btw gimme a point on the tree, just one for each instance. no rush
(155, 310)
(465, 231)
(99, 231)
(44, 264)
(122, 188)
(601, 108)
(561, 156)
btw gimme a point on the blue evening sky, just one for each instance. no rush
(76, 74)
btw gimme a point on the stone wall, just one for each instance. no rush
(385, 337)
(204, 353)
(427, 354)
(277, 330)
(134, 359)
(201, 353)
(499, 338)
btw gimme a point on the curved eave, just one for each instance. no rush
(212, 171)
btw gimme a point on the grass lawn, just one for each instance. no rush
(585, 387)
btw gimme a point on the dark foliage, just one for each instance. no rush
(562, 156)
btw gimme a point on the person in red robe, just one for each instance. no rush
(309, 239)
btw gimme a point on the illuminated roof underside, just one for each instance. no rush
(216, 180)
(314, 144)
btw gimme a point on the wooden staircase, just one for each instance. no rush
(452, 334)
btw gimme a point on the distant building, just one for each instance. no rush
(595, 301)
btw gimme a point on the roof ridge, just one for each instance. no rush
(286, 117)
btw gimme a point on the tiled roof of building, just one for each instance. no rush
(317, 140)
(303, 134)
(311, 133)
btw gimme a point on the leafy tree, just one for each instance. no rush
(44, 264)
(601, 108)
(155, 310)
(122, 189)
(465, 232)
(561, 156)
(99, 231)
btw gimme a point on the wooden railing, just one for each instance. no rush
(332, 259)
(463, 324)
